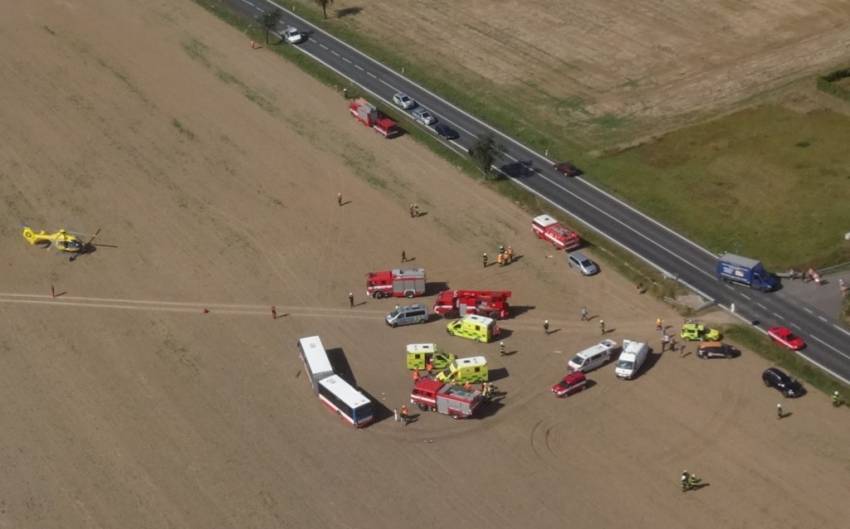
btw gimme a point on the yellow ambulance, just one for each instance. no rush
(471, 369)
(420, 354)
(474, 327)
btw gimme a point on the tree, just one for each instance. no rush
(324, 5)
(269, 21)
(484, 153)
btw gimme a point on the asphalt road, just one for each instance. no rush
(661, 247)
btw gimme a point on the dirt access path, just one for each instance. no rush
(607, 70)
(213, 170)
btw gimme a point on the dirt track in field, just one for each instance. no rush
(610, 68)
(213, 170)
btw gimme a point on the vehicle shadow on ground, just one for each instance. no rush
(505, 333)
(518, 169)
(652, 358)
(497, 374)
(340, 365)
(380, 412)
(491, 406)
(348, 11)
(433, 288)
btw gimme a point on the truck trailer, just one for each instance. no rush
(396, 283)
(433, 395)
(459, 303)
(737, 269)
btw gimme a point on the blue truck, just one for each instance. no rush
(737, 269)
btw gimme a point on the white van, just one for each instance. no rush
(407, 315)
(631, 359)
(593, 357)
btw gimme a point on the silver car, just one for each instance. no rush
(403, 100)
(423, 116)
(584, 265)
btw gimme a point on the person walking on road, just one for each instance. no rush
(836, 399)
(602, 326)
(665, 341)
(403, 256)
(405, 415)
(779, 413)
(502, 348)
(484, 259)
(546, 326)
(584, 314)
(350, 300)
(411, 210)
(659, 324)
(339, 199)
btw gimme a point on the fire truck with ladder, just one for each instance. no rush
(396, 283)
(549, 229)
(369, 115)
(454, 401)
(459, 303)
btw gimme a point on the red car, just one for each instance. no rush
(567, 169)
(571, 383)
(784, 336)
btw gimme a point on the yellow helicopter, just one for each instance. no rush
(62, 240)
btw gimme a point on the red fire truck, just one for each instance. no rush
(396, 283)
(370, 116)
(430, 394)
(459, 303)
(547, 228)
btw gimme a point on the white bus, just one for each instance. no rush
(316, 362)
(349, 403)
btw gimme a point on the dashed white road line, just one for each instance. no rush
(821, 318)
(323, 46)
(831, 347)
(359, 67)
(730, 287)
(346, 59)
(807, 309)
(746, 297)
(845, 331)
(761, 306)
(780, 316)
(335, 53)
(370, 74)
(796, 326)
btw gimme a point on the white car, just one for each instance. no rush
(293, 35)
(423, 116)
(404, 101)
(582, 264)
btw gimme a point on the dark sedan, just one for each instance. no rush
(776, 378)
(568, 169)
(717, 350)
(446, 131)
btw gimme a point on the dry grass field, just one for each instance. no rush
(212, 170)
(608, 70)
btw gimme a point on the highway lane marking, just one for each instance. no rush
(346, 59)
(322, 46)
(359, 67)
(796, 326)
(845, 331)
(730, 287)
(618, 221)
(760, 305)
(780, 316)
(373, 76)
(807, 309)
(441, 115)
(335, 53)
(821, 318)
(831, 347)
(746, 296)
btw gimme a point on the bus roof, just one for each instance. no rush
(344, 391)
(314, 355)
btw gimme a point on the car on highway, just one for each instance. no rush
(403, 101)
(784, 336)
(446, 131)
(581, 263)
(423, 116)
(294, 35)
(567, 169)
(571, 383)
(776, 378)
(693, 331)
(716, 350)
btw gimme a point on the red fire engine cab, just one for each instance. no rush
(396, 283)
(547, 228)
(459, 303)
(369, 115)
(458, 403)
